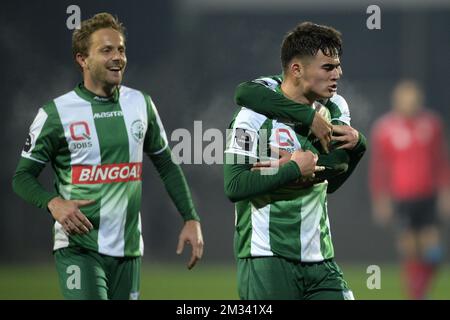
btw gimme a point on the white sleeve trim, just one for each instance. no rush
(159, 151)
(27, 156)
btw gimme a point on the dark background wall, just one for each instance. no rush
(190, 56)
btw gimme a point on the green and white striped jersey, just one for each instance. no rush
(288, 222)
(95, 146)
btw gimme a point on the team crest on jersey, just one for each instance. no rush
(137, 130)
(80, 135)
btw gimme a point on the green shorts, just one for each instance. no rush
(85, 274)
(275, 278)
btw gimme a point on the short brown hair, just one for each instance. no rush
(307, 39)
(81, 37)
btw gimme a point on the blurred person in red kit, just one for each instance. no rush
(409, 178)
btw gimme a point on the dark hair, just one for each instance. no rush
(307, 39)
(81, 37)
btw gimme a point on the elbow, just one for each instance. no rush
(239, 98)
(231, 195)
(231, 192)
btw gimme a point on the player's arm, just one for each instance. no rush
(26, 184)
(175, 184)
(441, 164)
(244, 140)
(354, 156)
(331, 165)
(345, 139)
(156, 147)
(335, 163)
(40, 148)
(241, 183)
(260, 96)
(379, 171)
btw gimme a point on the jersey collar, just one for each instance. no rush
(84, 93)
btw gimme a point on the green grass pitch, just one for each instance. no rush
(205, 282)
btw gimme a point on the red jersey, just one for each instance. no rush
(409, 158)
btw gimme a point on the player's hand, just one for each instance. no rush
(283, 155)
(191, 234)
(322, 129)
(68, 214)
(307, 163)
(346, 135)
(383, 210)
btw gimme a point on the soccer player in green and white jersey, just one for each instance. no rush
(264, 96)
(94, 137)
(282, 237)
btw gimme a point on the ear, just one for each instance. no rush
(296, 68)
(81, 60)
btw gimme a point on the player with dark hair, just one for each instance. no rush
(282, 237)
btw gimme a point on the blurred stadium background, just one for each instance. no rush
(190, 55)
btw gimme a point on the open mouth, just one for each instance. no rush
(115, 68)
(333, 87)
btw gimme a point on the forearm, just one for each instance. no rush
(26, 184)
(272, 104)
(355, 156)
(175, 184)
(240, 183)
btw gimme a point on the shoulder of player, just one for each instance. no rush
(127, 92)
(339, 101)
(271, 82)
(249, 119)
(130, 93)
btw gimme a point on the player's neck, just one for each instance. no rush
(99, 89)
(295, 92)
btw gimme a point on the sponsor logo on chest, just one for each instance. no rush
(109, 114)
(106, 173)
(80, 136)
(284, 139)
